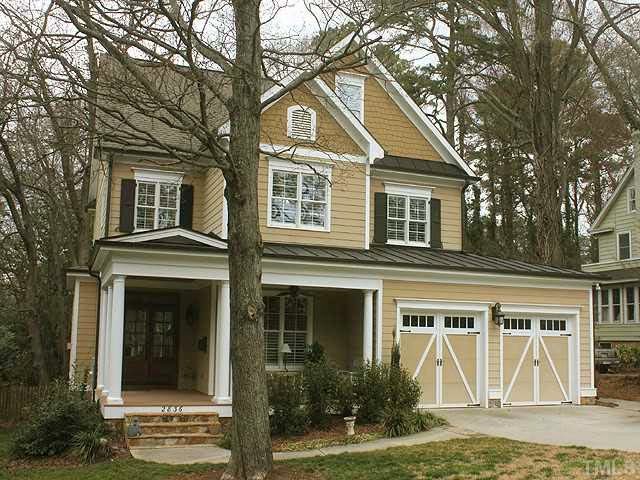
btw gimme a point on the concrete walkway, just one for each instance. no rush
(588, 426)
(215, 454)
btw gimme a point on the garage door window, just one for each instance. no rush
(555, 325)
(419, 321)
(459, 322)
(517, 324)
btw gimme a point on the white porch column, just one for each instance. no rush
(116, 338)
(223, 345)
(106, 348)
(213, 310)
(378, 320)
(101, 338)
(367, 328)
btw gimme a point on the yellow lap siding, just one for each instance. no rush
(86, 336)
(213, 201)
(394, 289)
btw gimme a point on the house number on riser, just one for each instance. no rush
(171, 408)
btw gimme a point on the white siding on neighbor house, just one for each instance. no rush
(620, 220)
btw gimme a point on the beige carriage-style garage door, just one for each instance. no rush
(443, 351)
(536, 361)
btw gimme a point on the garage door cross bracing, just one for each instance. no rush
(442, 351)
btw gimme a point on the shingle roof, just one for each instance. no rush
(382, 255)
(414, 165)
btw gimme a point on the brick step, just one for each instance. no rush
(172, 417)
(176, 439)
(149, 428)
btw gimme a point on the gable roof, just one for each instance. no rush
(612, 200)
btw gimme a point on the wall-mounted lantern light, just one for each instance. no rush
(497, 314)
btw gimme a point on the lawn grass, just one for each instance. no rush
(470, 458)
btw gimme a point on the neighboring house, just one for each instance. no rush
(363, 248)
(617, 233)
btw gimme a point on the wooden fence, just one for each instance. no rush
(14, 399)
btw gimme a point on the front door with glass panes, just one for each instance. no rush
(536, 360)
(150, 343)
(442, 352)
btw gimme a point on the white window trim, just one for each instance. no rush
(635, 200)
(310, 110)
(281, 366)
(157, 177)
(415, 191)
(357, 80)
(618, 245)
(299, 168)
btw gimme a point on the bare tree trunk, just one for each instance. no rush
(451, 97)
(251, 457)
(544, 130)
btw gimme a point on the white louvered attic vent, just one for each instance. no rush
(301, 123)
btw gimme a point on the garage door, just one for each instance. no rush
(442, 352)
(536, 361)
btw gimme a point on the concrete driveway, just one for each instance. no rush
(588, 426)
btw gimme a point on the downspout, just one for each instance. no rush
(107, 220)
(97, 344)
(463, 213)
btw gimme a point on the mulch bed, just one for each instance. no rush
(334, 434)
(67, 460)
(623, 386)
(280, 472)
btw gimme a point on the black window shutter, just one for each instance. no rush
(127, 204)
(380, 218)
(436, 224)
(186, 206)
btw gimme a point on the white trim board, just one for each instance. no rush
(607, 206)
(166, 233)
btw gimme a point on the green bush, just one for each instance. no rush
(629, 356)
(55, 420)
(424, 421)
(344, 401)
(286, 401)
(92, 444)
(320, 384)
(370, 391)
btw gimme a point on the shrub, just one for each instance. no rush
(629, 356)
(424, 421)
(92, 444)
(370, 391)
(344, 401)
(54, 421)
(320, 383)
(286, 398)
(403, 395)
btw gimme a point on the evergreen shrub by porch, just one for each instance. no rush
(320, 383)
(56, 421)
(286, 401)
(345, 398)
(370, 388)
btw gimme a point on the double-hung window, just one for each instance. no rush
(408, 215)
(299, 196)
(624, 246)
(157, 199)
(631, 199)
(350, 89)
(287, 321)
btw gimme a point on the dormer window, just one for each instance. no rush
(350, 89)
(631, 199)
(301, 123)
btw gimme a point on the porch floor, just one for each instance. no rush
(153, 398)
